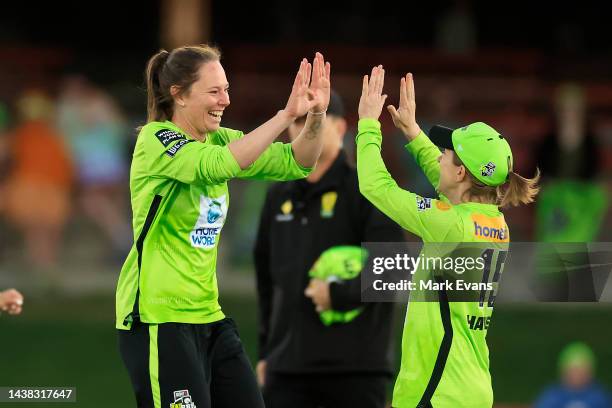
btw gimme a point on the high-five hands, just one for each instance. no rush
(404, 117)
(311, 88)
(372, 101)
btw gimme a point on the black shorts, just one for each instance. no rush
(180, 365)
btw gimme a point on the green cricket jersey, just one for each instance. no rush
(179, 202)
(445, 359)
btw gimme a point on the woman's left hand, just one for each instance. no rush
(372, 100)
(306, 95)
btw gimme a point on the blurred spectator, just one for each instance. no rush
(456, 29)
(96, 134)
(569, 150)
(5, 152)
(11, 301)
(38, 188)
(578, 388)
(571, 206)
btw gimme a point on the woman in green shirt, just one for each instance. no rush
(179, 348)
(445, 359)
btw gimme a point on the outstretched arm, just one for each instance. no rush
(301, 100)
(419, 215)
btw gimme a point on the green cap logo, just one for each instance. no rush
(488, 169)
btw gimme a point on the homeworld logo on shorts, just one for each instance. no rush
(182, 399)
(208, 226)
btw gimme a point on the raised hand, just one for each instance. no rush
(404, 118)
(372, 99)
(320, 84)
(306, 96)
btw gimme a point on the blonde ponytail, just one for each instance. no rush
(519, 190)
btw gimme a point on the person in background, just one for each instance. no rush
(313, 350)
(96, 133)
(573, 204)
(5, 157)
(578, 387)
(40, 181)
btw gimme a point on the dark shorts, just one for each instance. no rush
(326, 390)
(178, 363)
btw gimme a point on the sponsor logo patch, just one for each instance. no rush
(423, 203)
(286, 209)
(442, 206)
(328, 202)
(490, 228)
(167, 136)
(177, 146)
(206, 231)
(182, 399)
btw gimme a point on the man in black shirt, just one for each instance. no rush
(303, 362)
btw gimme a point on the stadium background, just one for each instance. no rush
(469, 60)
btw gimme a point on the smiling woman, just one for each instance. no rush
(173, 337)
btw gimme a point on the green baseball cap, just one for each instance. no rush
(483, 150)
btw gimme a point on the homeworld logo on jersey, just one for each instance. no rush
(490, 228)
(182, 399)
(209, 223)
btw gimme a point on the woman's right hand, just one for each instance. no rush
(404, 118)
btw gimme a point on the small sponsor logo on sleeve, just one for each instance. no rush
(177, 146)
(442, 206)
(168, 136)
(423, 203)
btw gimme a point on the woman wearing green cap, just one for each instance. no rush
(445, 359)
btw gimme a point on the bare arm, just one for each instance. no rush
(307, 146)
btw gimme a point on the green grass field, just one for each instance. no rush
(61, 341)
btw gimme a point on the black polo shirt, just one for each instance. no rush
(299, 221)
